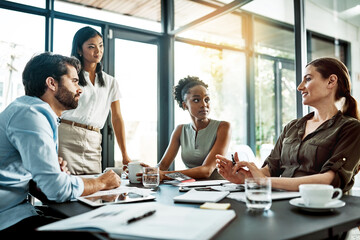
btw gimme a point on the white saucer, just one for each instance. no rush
(299, 202)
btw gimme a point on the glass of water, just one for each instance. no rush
(258, 193)
(151, 177)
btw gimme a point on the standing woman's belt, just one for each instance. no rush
(81, 125)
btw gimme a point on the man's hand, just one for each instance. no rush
(106, 181)
(110, 180)
(63, 165)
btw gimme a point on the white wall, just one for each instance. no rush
(323, 21)
(317, 19)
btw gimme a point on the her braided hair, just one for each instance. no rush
(328, 66)
(182, 88)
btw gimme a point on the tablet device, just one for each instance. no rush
(113, 198)
(180, 177)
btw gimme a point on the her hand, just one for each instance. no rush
(225, 168)
(253, 171)
(126, 160)
(63, 166)
(163, 176)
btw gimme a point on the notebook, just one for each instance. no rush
(194, 196)
(151, 222)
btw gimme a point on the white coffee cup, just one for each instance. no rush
(134, 167)
(117, 170)
(318, 195)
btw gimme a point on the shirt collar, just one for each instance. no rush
(327, 123)
(301, 124)
(87, 78)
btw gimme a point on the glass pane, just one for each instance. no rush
(225, 73)
(288, 95)
(142, 14)
(20, 41)
(187, 11)
(264, 104)
(225, 30)
(63, 42)
(34, 3)
(327, 48)
(139, 99)
(274, 41)
(280, 10)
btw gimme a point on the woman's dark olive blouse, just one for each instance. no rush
(334, 145)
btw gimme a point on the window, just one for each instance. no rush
(64, 32)
(1, 89)
(139, 99)
(225, 73)
(226, 30)
(327, 47)
(22, 40)
(37, 3)
(275, 85)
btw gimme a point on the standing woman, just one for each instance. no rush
(79, 130)
(202, 138)
(323, 146)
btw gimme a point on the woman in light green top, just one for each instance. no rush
(201, 139)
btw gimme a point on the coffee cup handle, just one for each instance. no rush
(339, 195)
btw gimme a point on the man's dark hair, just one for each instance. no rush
(45, 65)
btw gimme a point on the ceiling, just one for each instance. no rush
(348, 10)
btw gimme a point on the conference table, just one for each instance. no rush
(282, 221)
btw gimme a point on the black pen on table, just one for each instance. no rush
(134, 219)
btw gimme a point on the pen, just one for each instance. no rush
(134, 219)
(233, 160)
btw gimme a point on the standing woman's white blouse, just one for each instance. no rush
(80, 147)
(95, 101)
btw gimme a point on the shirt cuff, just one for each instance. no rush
(77, 187)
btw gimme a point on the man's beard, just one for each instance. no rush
(67, 98)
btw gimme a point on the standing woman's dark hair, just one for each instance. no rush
(81, 36)
(328, 66)
(183, 87)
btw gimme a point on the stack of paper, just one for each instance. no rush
(168, 222)
(194, 196)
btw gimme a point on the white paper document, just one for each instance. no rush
(240, 196)
(202, 183)
(164, 222)
(194, 196)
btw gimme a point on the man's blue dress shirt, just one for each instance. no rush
(28, 150)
